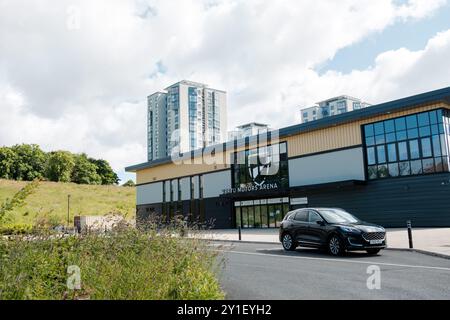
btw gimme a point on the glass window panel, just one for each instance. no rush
(264, 221)
(370, 141)
(393, 170)
(381, 153)
(413, 133)
(371, 156)
(401, 135)
(414, 149)
(440, 117)
(438, 164)
(238, 217)
(445, 164)
(443, 145)
(423, 119)
(251, 217)
(389, 126)
(425, 132)
(379, 139)
(433, 117)
(428, 165)
(400, 124)
(421, 138)
(369, 131)
(434, 129)
(437, 146)
(257, 217)
(392, 152)
(411, 122)
(416, 167)
(404, 168)
(279, 215)
(402, 151)
(383, 171)
(272, 216)
(244, 211)
(379, 128)
(426, 148)
(372, 172)
(390, 137)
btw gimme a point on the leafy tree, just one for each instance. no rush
(84, 171)
(60, 166)
(7, 159)
(129, 183)
(105, 172)
(30, 162)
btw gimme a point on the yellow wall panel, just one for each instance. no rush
(336, 137)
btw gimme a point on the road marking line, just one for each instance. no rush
(340, 260)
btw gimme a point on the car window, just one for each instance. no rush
(301, 216)
(290, 216)
(314, 217)
(337, 216)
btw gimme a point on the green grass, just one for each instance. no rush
(50, 201)
(125, 265)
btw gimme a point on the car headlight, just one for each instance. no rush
(350, 229)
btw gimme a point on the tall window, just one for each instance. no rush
(264, 165)
(411, 145)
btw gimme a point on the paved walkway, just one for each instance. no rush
(435, 240)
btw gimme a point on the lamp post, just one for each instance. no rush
(68, 210)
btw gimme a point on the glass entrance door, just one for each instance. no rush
(245, 220)
(266, 213)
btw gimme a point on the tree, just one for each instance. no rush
(106, 173)
(84, 171)
(7, 159)
(129, 183)
(30, 162)
(60, 166)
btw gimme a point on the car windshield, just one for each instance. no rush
(337, 216)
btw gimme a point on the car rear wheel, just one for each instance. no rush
(373, 251)
(335, 246)
(288, 243)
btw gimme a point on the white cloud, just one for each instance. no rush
(396, 74)
(74, 74)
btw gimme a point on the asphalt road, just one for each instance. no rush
(262, 271)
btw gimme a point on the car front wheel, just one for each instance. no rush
(288, 243)
(335, 246)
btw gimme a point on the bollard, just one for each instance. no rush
(408, 224)
(240, 233)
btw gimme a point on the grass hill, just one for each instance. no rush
(49, 201)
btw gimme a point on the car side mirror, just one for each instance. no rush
(321, 223)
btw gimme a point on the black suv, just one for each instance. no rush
(330, 228)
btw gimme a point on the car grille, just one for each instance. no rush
(374, 236)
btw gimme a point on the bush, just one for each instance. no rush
(125, 264)
(16, 229)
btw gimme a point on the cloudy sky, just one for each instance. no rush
(74, 75)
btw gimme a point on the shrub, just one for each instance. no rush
(125, 264)
(19, 199)
(16, 229)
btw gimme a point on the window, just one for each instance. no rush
(410, 145)
(314, 217)
(261, 166)
(301, 216)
